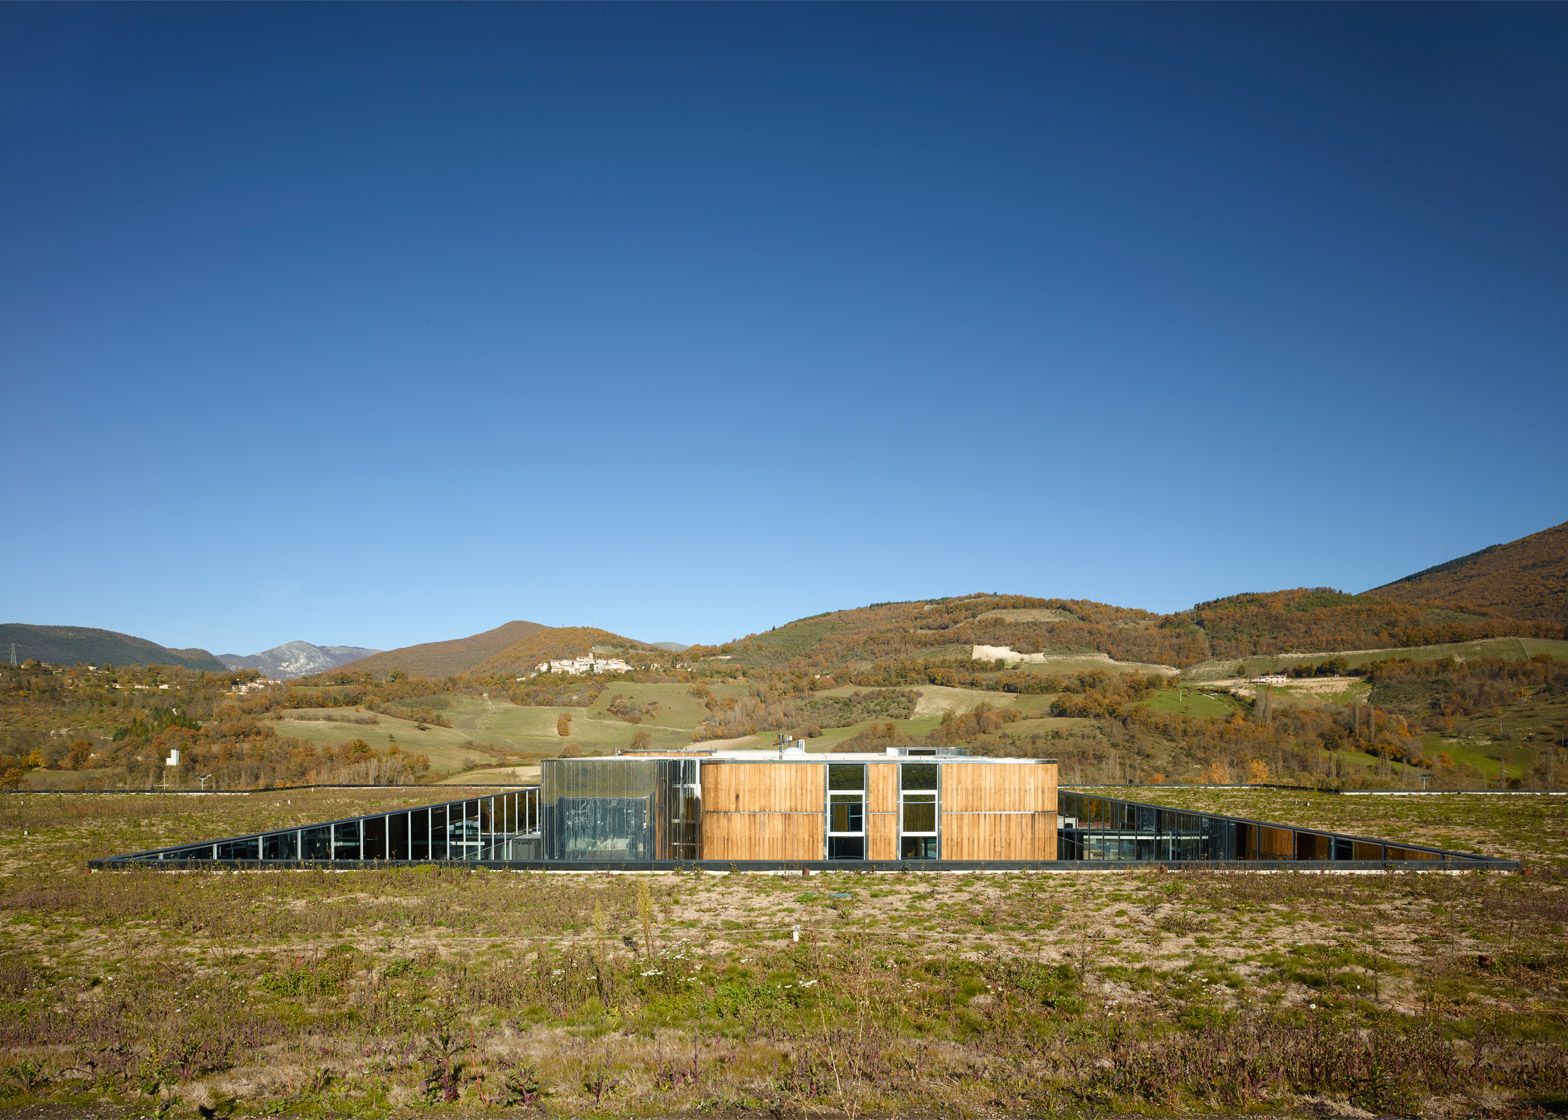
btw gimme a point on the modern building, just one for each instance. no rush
(905, 804)
(905, 809)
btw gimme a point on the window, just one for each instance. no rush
(919, 814)
(918, 775)
(375, 838)
(846, 810)
(847, 776)
(917, 811)
(846, 847)
(316, 843)
(848, 815)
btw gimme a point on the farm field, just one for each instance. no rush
(487, 731)
(446, 992)
(447, 748)
(1191, 702)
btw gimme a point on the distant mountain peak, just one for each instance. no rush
(295, 659)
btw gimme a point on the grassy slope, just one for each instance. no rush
(1192, 702)
(1526, 578)
(448, 748)
(481, 728)
(935, 700)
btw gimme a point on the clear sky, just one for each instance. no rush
(384, 324)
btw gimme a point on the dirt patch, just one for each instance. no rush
(936, 700)
(1303, 686)
(1008, 653)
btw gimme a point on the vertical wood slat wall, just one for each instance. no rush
(882, 810)
(998, 811)
(735, 824)
(776, 810)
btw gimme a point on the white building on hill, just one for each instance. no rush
(578, 666)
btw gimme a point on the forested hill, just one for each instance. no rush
(1323, 619)
(515, 647)
(952, 627)
(444, 659)
(1302, 619)
(84, 645)
(1526, 578)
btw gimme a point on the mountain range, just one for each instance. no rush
(1515, 589)
(295, 659)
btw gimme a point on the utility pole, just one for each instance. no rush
(13, 655)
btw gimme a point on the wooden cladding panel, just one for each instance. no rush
(977, 787)
(881, 835)
(1276, 843)
(882, 789)
(763, 787)
(984, 836)
(741, 836)
(1309, 845)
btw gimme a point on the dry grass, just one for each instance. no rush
(385, 992)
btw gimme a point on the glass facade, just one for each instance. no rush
(499, 826)
(1107, 828)
(622, 809)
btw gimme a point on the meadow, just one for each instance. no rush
(443, 991)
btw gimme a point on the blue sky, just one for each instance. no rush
(377, 325)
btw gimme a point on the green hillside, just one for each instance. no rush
(85, 645)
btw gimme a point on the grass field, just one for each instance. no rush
(396, 992)
(1192, 702)
(832, 736)
(487, 731)
(448, 748)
